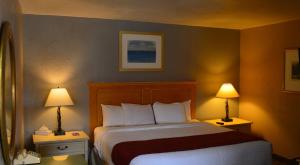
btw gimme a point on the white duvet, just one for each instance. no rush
(249, 153)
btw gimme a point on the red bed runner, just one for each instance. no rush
(124, 152)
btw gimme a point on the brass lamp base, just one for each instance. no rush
(59, 132)
(227, 119)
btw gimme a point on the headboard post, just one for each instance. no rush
(93, 108)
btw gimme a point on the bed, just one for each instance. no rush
(190, 143)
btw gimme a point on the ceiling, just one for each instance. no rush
(232, 14)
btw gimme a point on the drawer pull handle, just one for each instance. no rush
(62, 148)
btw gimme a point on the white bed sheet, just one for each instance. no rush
(249, 153)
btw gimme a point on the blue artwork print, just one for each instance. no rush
(139, 51)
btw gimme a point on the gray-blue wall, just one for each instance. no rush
(10, 11)
(70, 52)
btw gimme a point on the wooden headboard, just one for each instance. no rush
(137, 93)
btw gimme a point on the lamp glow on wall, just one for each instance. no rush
(59, 97)
(227, 91)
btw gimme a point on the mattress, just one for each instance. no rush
(255, 152)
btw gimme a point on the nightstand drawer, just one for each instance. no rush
(52, 149)
(246, 128)
(68, 144)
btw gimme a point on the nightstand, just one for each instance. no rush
(238, 124)
(61, 145)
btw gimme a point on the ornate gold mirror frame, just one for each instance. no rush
(7, 143)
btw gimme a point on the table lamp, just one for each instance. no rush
(59, 97)
(227, 91)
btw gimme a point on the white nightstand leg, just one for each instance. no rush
(86, 150)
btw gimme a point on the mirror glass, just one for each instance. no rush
(8, 95)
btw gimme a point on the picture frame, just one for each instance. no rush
(292, 70)
(141, 51)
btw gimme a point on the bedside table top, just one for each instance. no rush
(236, 121)
(51, 138)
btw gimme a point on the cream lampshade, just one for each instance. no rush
(59, 97)
(227, 91)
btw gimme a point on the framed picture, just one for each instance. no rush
(140, 51)
(292, 70)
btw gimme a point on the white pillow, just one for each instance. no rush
(169, 113)
(187, 108)
(112, 115)
(136, 114)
